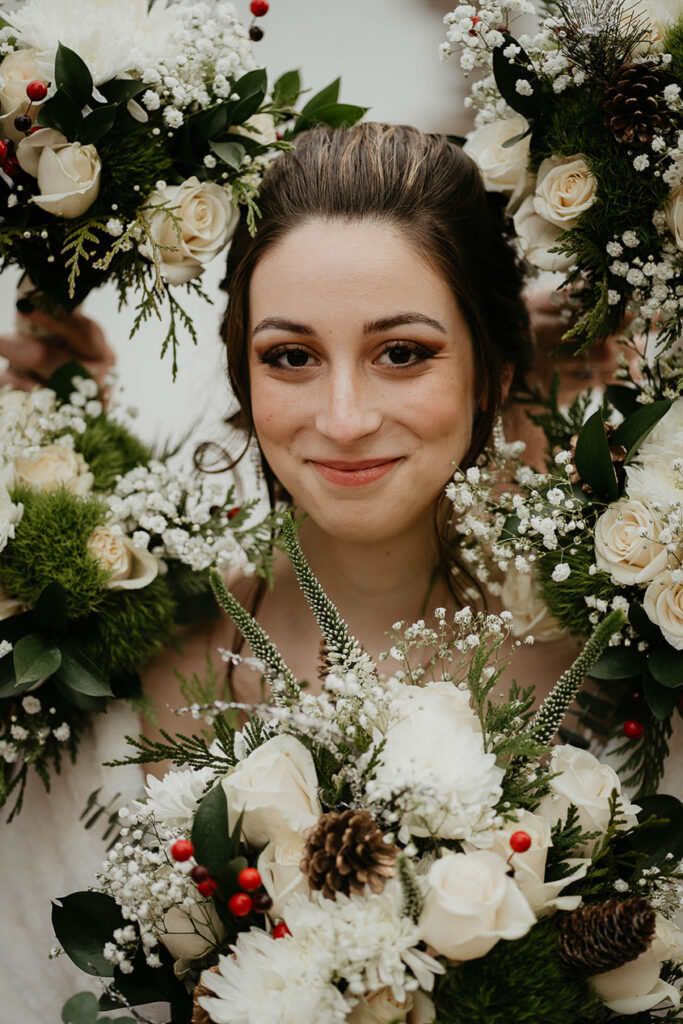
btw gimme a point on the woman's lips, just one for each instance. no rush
(354, 474)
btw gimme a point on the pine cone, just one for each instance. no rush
(633, 106)
(199, 1014)
(618, 453)
(606, 936)
(346, 851)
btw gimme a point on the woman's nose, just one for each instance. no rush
(348, 409)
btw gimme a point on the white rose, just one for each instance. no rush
(380, 1007)
(25, 408)
(621, 549)
(188, 936)
(278, 866)
(277, 788)
(537, 237)
(52, 466)
(659, 16)
(674, 215)
(565, 188)
(529, 867)
(16, 71)
(471, 903)
(584, 781)
(433, 748)
(520, 595)
(663, 604)
(10, 513)
(636, 986)
(205, 222)
(68, 173)
(503, 168)
(131, 568)
(263, 129)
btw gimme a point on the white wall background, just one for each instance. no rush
(387, 54)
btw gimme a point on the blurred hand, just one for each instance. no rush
(40, 344)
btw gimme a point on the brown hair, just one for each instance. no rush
(433, 192)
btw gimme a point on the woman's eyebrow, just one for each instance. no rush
(279, 323)
(386, 323)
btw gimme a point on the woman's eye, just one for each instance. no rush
(287, 358)
(404, 354)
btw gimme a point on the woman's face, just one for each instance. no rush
(362, 378)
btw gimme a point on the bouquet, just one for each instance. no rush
(578, 129)
(601, 529)
(134, 133)
(401, 849)
(104, 549)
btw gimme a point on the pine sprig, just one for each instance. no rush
(552, 711)
(256, 637)
(412, 893)
(342, 648)
(192, 751)
(76, 244)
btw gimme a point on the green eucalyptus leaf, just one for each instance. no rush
(81, 1009)
(80, 675)
(287, 89)
(35, 658)
(635, 428)
(661, 700)
(618, 663)
(666, 665)
(210, 832)
(83, 923)
(231, 153)
(96, 125)
(593, 458)
(73, 76)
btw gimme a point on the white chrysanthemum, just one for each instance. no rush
(653, 472)
(112, 36)
(174, 799)
(271, 979)
(434, 766)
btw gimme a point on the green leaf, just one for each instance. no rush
(287, 89)
(642, 624)
(661, 700)
(574, 738)
(61, 381)
(35, 658)
(509, 143)
(253, 82)
(93, 127)
(623, 398)
(79, 674)
(209, 124)
(330, 94)
(618, 663)
(658, 842)
(336, 115)
(246, 108)
(80, 700)
(83, 922)
(635, 428)
(61, 113)
(210, 831)
(72, 75)
(231, 153)
(666, 665)
(508, 72)
(593, 459)
(121, 90)
(81, 1009)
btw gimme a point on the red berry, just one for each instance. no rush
(3, 151)
(633, 729)
(262, 902)
(36, 128)
(199, 873)
(249, 879)
(475, 21)
(234, 512)
(280, 930)
(36, 90)
(207, 888)
(240, 904)
(182, 849)
(520, 841)
(11, 166)
(259, 7)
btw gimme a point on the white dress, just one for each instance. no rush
(46, 853)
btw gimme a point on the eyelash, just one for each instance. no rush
(273, 355)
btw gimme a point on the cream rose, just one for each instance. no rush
(277, 788)
(565, 189)
(471, 903)
(674, 215)
(262, 129)
(529, 867)
(16, 71)
(584, 781)
(503, 168)
(537, 237)
(520, 596)
(205, 221)
(278, 866)
(380, 1007)
(54, 465)
(659, 16)
(627, 544)
(663, 604)
(68, 173)
(636, 986)
(131, 568)
(189, 936)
